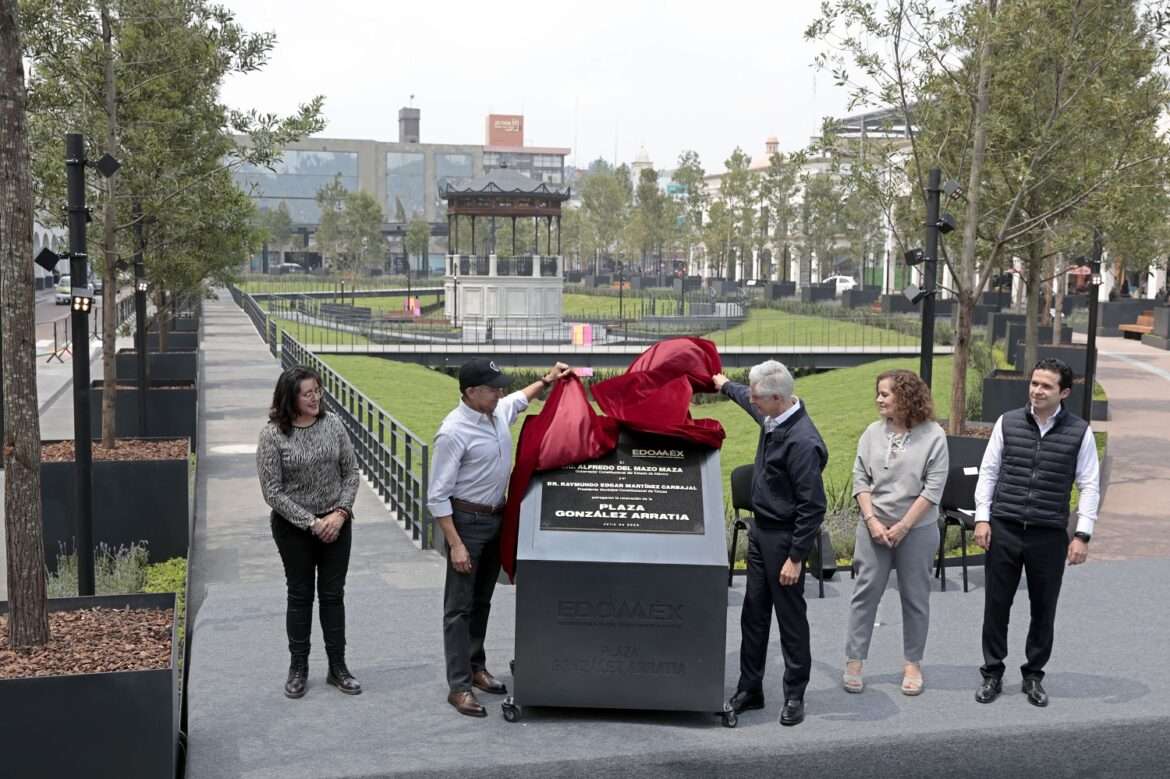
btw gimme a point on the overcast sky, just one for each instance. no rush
(587, 74)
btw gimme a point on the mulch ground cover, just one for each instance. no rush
(175, 449)
(95, 640)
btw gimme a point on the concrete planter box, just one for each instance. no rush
(815, 293)
(1074, 356)
(1014, 339)
(723, 286)
(114, 725)
(171, 408)
(176, 342)
(133, 500)
(1007, 390)
(898, 304)
(162, 366)
(859, 298)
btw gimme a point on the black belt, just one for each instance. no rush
(476, 508)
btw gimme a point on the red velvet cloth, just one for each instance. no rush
(654, 395)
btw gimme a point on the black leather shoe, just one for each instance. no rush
(340, 677)
(482, 680)
(298, 677)
(792, 713)
(989, 690)
(465, 703)
(1035, 692)
(744, 700)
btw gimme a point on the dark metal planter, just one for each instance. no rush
(965, 451)
(1160, 336)
(176, 342)
(1014, 339)
(897, 304)
(1114, 313)
(859, 298)
(163, 366)
(133, 501)
(997, 323)
(996, 299)
(1006, 390)
(1072, 355)
(170, 410)
(779, 289)
(178, 324)
(118, 725)
(816, 293)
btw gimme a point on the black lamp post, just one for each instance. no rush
(140, 315)
(1091, 345)
(81, 298)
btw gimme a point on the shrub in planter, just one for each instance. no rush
(87, 707)
(170, 410)
(141, 493)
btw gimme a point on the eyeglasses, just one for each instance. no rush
(313, 394)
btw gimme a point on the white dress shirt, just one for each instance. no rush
(1088, 474)
(473, 455)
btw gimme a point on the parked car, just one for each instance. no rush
(286, 267)
(62, 292)
(843, 283)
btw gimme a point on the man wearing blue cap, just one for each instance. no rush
(469, 476)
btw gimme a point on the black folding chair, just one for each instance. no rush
(741, 500)
(956, 509)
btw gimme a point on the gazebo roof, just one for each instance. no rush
(503, 182)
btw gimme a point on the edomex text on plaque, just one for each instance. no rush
(648, 484)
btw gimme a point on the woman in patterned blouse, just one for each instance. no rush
(309, 476)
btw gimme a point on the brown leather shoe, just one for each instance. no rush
(465, 703)
(483, 680)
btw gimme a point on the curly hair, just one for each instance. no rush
(915, 405)
(284, 398)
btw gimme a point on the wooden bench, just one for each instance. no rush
(1144, 324)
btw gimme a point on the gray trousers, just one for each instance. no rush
(467, 597)
(913, 558)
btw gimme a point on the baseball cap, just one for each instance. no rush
(479, 372)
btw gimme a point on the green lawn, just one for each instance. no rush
(314, 334)
(298, 283)
(772, 327)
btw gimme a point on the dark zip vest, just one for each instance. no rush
(1036, 474)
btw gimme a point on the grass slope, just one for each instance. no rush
(772, 327)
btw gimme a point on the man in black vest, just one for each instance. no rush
(788, 500)
(1034, 456)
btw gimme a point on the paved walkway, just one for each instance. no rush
(1134, 520)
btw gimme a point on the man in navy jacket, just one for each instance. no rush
(788, 501)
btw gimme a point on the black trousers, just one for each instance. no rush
(306, 557)
(467, 597)
(1039, 551)
(766, 553)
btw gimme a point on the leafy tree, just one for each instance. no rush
(778, 187)
(330, 235)
(738, 191)
(140, 80)
(604, 203)
(278, 226)
(821, 223)
(361, 230)
(418, 241)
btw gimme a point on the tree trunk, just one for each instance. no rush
(1046, 286)
(1060, 283)
(1032, 294)
(109, 247)
(967, 274)
(28, 623)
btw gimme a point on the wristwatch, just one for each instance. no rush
(1082, 536)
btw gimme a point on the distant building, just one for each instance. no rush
(405, 176)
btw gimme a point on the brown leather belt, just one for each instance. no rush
(476, 508)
